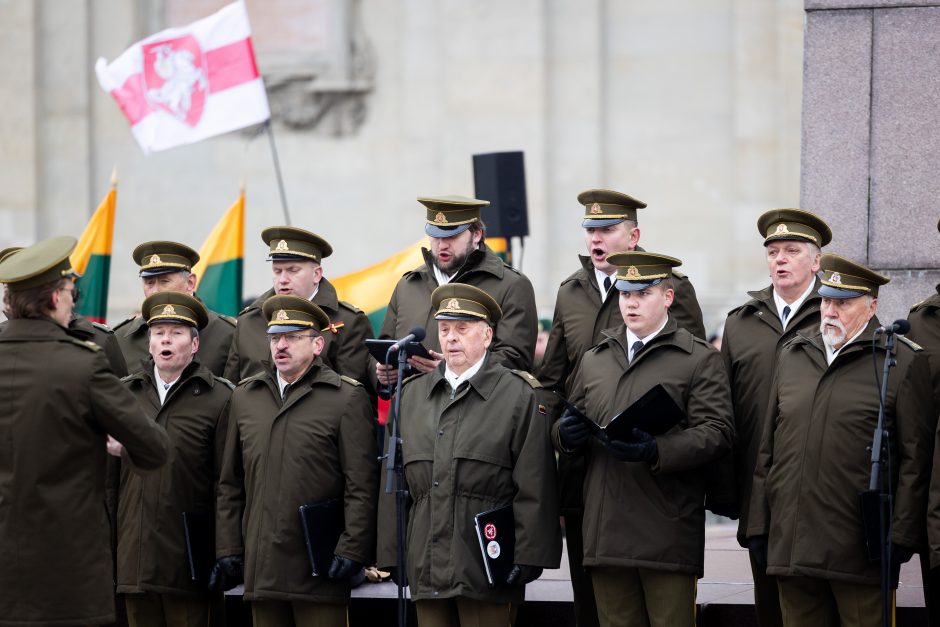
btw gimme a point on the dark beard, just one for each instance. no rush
(456, 263)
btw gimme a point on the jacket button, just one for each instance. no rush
(441, 432)
(437, 483)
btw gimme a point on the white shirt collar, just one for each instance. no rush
(600, 276)
(315, 290)
(455, 380)
(794, 306)
(281, 384)
(163, 387)
(632, 337)
(440, 276)
(832, 354)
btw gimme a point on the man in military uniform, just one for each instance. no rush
(644, 515)
(167, 266)
(296, 256)
(474, 438)
(814, 456)
(586, 305)
(458, 254)
(60, 399)
(182, 396)
(754, 334)
(299, 433)
(925, 331)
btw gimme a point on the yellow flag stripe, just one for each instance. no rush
(226, 242)
(98, 234)
(371, 288)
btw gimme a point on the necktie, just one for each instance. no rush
(786, 314)
(636, 348)
(284, 392)
(606, 284)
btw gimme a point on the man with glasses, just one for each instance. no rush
(60, 399)
(299, 434)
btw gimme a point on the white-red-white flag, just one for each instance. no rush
(185, 84)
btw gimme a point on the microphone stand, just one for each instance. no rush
(876, 485)
(395, 471)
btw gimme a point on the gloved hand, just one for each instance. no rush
(228, 572)
(522, 574)
(395, 576)
(641, 449)
(572, 432)
(343, 568)
(757, 547)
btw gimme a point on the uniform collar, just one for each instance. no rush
(483, 259)
(484, 381)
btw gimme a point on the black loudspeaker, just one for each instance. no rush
(499, 177)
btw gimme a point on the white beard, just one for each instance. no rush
(832, 338)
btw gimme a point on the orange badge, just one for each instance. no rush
(595, 208)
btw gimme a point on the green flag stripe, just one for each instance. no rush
(93, 302)
(376, 318)
(221, 287)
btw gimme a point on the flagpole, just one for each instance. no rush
(277, 169)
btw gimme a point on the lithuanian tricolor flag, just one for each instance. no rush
(92, 258)
(221, 258)
(371, 288)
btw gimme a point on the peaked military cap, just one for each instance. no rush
(604, 207)
(638, 270)
(41, 263)
(6, 252)
(286, 313)
(289, 242)
(842, 278)
(175, 307)
(450, 215)
(459, 301)
(164, 257)
(793, 224)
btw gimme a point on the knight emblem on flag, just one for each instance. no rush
(175, 78)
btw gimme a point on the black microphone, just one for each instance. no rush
(899, 327)
(415, 335)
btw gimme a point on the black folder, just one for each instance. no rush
(656, 412)
(496, 532)
(199, 533)
(322, 524)
(379, 348)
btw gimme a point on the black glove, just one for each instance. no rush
(343, 568)
(522, 574)
(641, 449)
(228, 572)
(573, 432)
(757, 547)
(393, 572)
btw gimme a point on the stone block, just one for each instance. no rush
(907, 287)
(829, 5)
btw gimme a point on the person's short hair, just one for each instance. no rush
(32, 303)
(478, 226)
(668, 284)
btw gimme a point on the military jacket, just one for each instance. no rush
(465, 452)
(317, 445)
(814, 459)
(151, 545)
(639, 515)
(752, 340)
(344, 350)
(579, 320)
(60, 399)
(103, 336)
(925, 330)
(514, 338)
(214, 341)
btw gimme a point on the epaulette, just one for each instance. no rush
(133, 376)
(101, 327)
(123, 322)
(678, 274)
(349, 306)
(246, 309)
(414, 376)
(509, 267)
(599, 346)
(85, 344)
(350, 380)
(911, 343)
(224, 381)
(528, 378)
(255, 377)
(228, 319)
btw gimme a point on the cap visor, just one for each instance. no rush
(287, 328)
(456, 316)
(157, 320)
(442, 232)
(283, 257)
(598, 223)
(791, 237)
(827, 291)
(159, 271)
(635, 286)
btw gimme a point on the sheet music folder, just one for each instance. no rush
(656, 412)
(322, 524)
(378, 349)
(199, 534)
(496, 533)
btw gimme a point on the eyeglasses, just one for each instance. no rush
(75, 292)
(292, 338)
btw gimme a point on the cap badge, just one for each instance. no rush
(281, 315)
(595, 208)
(836, 278)
(781, 228)
(440, 218)
(281, 245)
(453, 303)
(169, 310)
(155, 259)
(633, 273)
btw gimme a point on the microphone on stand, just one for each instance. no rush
(415, 335)
(898, 327)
